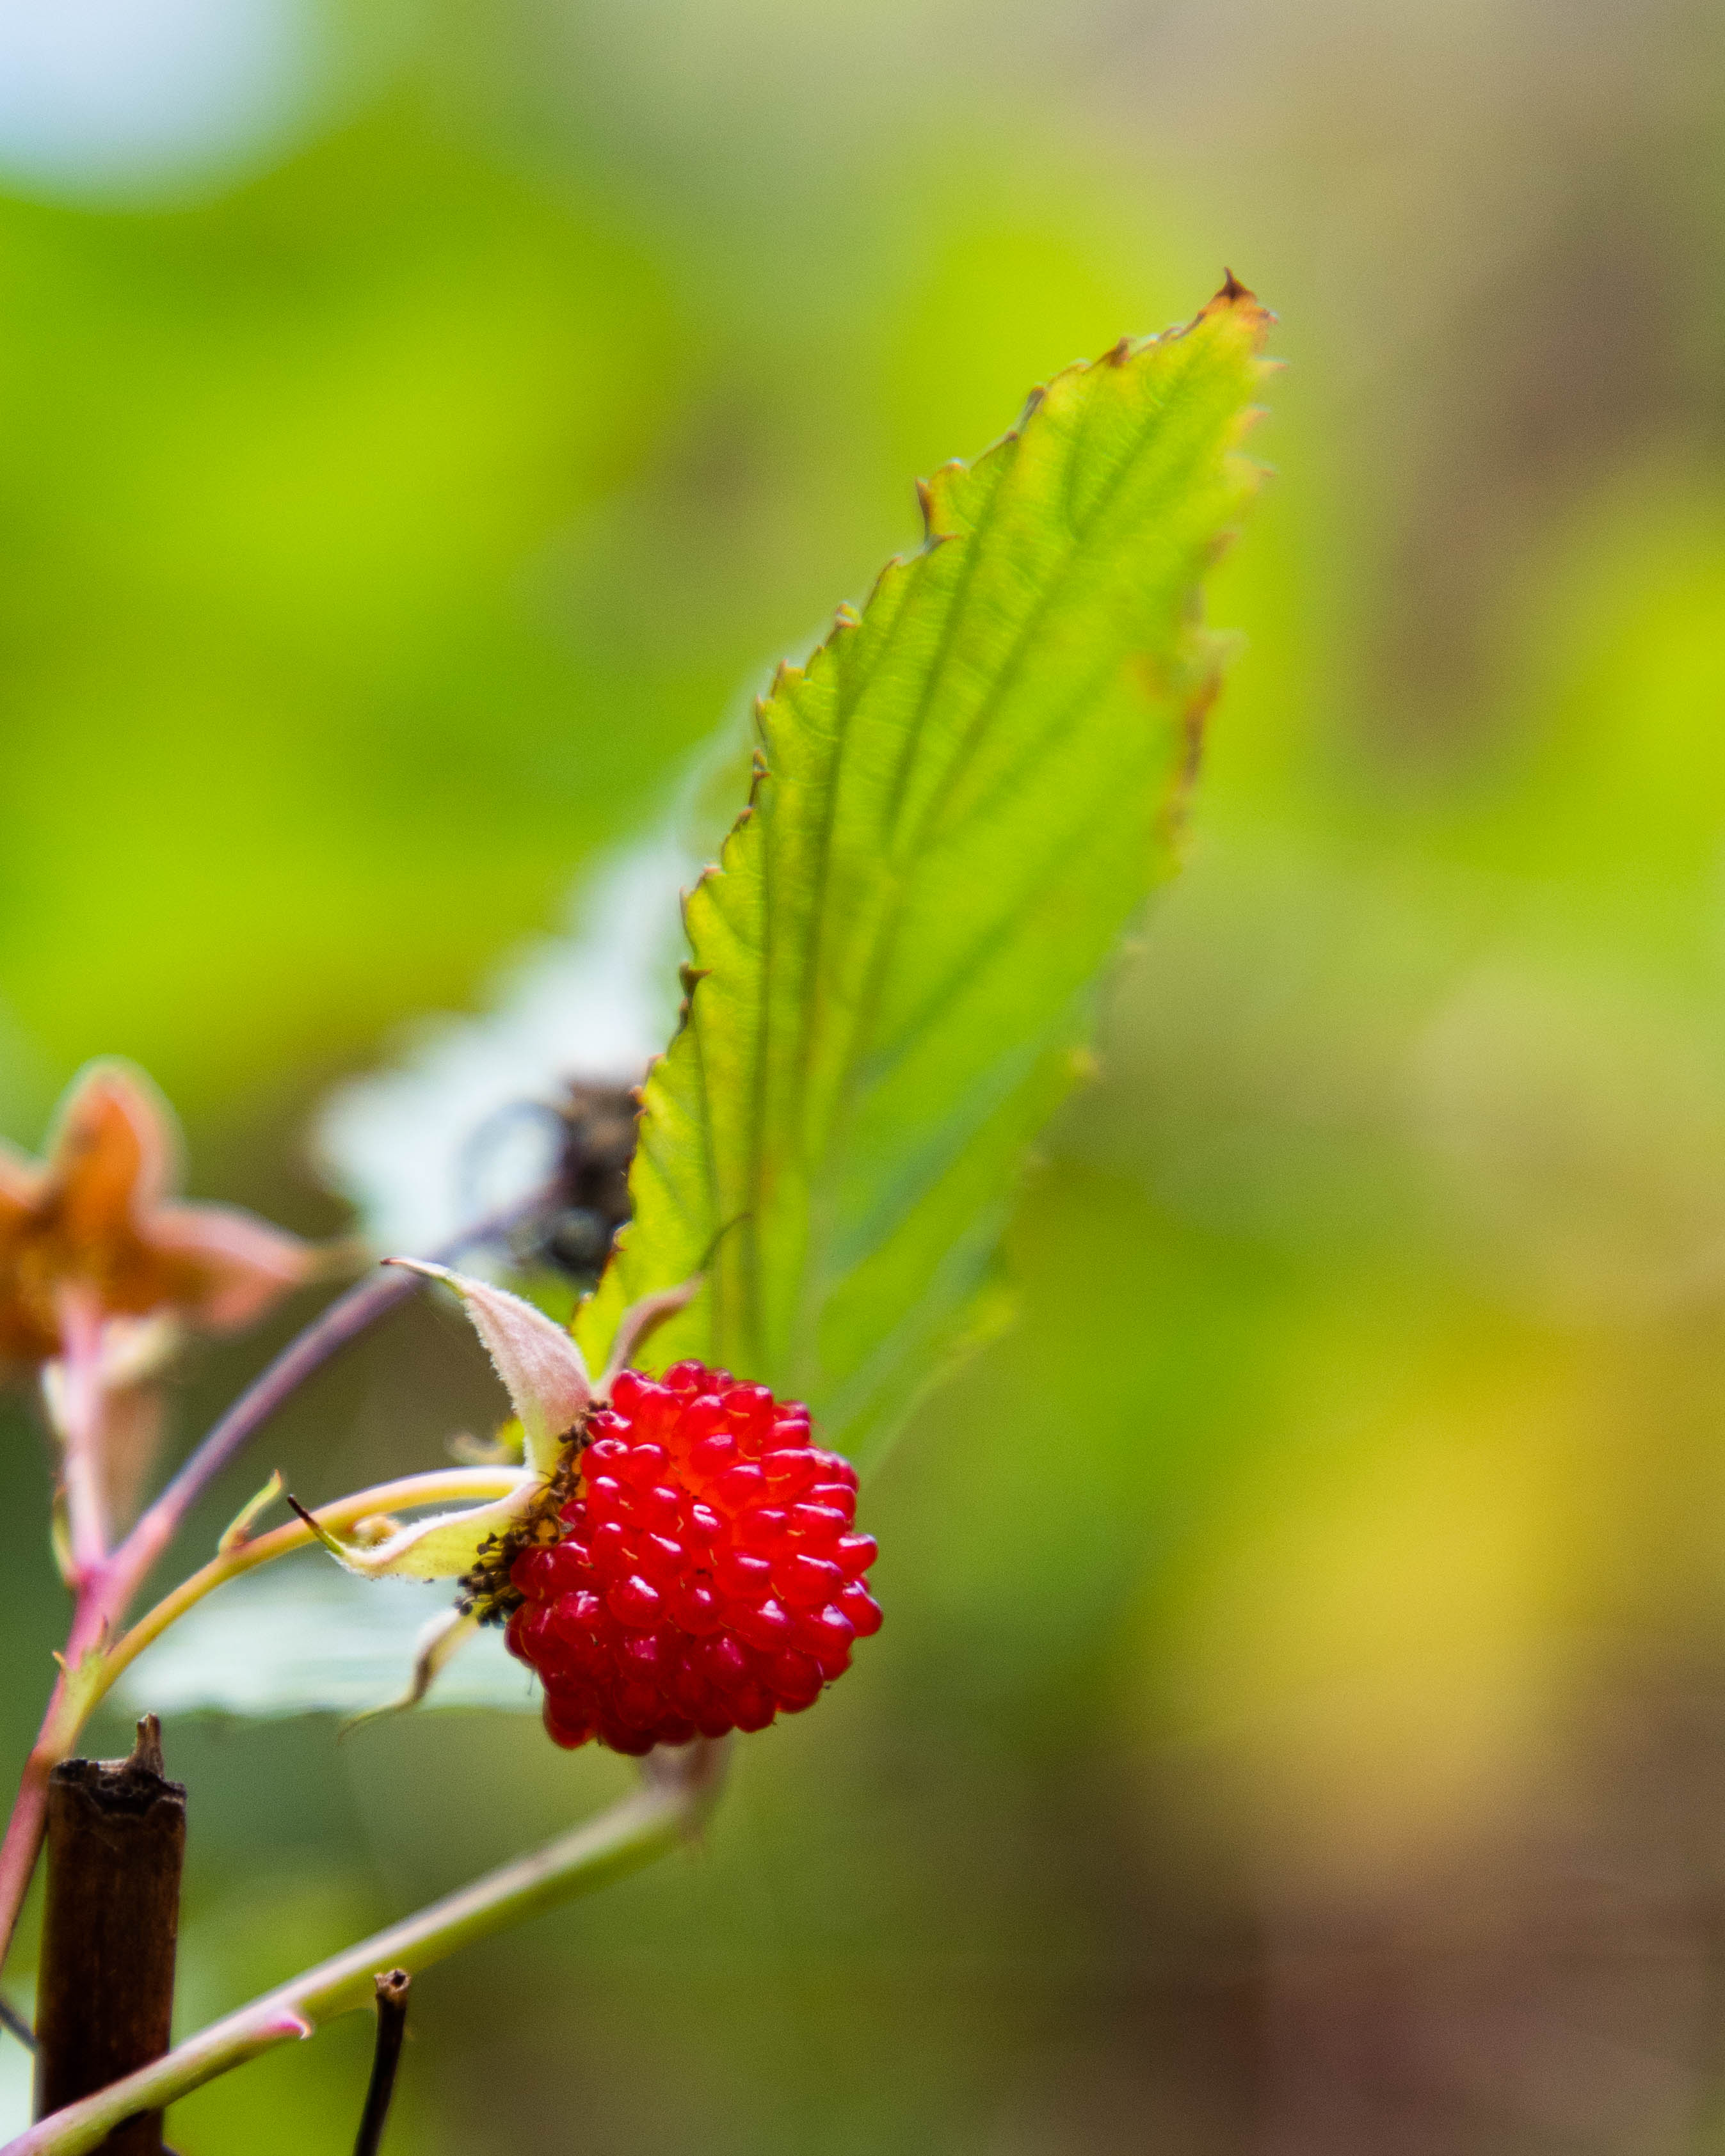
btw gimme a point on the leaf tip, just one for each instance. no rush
(1237, 299)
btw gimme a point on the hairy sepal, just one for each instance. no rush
(543, 1371)
(447, 1545)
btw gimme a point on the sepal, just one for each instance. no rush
(542, 1370)
(441, 1640)
(447, 1545)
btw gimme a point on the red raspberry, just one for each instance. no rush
(707, 1576)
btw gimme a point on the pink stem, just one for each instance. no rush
(78, 1415)
(81, 1418)
(105, 1585)
(93, 1617)
(329, 1330)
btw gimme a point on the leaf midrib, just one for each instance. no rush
(816, 1173)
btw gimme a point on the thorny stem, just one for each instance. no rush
(677, 1792)
(105, 1588)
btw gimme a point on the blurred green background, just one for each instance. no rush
(1299, 1723)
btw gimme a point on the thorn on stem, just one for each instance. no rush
(392, 1987)
(15, 2024)
(238, 1531)
(311, 1520)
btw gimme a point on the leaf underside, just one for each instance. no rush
(301, 1637)
(960, 803)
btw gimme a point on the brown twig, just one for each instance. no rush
(116, 1839)
(393, 1988)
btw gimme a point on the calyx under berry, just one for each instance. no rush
(546, 1376)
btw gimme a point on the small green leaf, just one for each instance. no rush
(960, 803)
(238, 1529)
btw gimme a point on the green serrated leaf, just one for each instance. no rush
(959, 805)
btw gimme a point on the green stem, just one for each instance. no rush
(89, 1666)
(678, 1791)
(449, 1485)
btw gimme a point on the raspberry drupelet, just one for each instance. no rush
(708, 1575)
